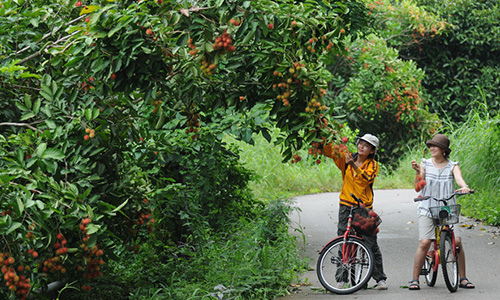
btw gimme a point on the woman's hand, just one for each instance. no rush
(348, 159)
(415, 166)
(464, 190)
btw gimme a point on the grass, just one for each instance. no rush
(476, 145)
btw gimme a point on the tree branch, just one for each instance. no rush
(20, 125)
(45, 37)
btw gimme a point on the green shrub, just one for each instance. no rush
(463, 61)
(384, 97)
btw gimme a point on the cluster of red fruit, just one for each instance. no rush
(53, 265)
(145, 218)
(157, 105)
(314, 41)
(338, 149)
(90, 133)
(91, 256)
(286, 85)
(317, 149)
(142, 217)
(224, 43)
(86, 86)
(193, 123)
(191, 45)
(366, 224)
(235, 22)
(314, 105)
(6, 212)
(420, 184)
(296, 158)
(93, 262)
(207, 66)
(20, 285)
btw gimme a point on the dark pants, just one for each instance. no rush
(371, 242)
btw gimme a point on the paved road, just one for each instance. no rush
(398, 240)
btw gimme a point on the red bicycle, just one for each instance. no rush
(345, 264)
(443, 249)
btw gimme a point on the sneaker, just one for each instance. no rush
(381, 285)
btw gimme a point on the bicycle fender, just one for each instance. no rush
(353, 237)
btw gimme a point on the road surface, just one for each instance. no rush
(398, 238)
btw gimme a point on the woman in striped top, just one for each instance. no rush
(440, 175)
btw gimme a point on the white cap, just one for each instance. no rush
(370, 139)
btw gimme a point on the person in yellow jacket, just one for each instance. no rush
(358, 174)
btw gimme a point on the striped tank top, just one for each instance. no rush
(440, 184)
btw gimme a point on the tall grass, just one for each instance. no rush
(476, 145)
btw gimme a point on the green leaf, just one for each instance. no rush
(95, 113)
(36, 106)
(53, 154)
(27, 115)
(21, 106)
(20, 206)
(27, 101)
(120, 206)
(51, 124)
(46, 95)
(73, 61)
(13, 226)
(41, 149)
(89, 8)
(88, 114)
(92, 228)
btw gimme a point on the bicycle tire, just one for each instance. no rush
(345, 276)
(429, 263)
(449, 262)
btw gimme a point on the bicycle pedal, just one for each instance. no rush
(457, 250)
(424, 272)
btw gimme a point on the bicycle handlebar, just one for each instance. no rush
(356, 198)
(444, 199)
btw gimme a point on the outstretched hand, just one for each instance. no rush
(349, 159)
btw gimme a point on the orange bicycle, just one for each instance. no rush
(443, 249)
(345, 264)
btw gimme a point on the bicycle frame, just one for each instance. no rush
(437, 241)
(346, 234)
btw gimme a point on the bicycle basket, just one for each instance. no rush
(365, 221)
(445, 215)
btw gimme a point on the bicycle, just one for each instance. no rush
(345, 263)
(447, 254)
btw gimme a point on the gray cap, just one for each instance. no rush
(370, 139)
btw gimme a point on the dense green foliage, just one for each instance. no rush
(463, 64)
(112, 121)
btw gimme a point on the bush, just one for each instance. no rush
(384, 97)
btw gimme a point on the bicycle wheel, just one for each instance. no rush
(344, 268)
(428, 269)
(449, 262)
